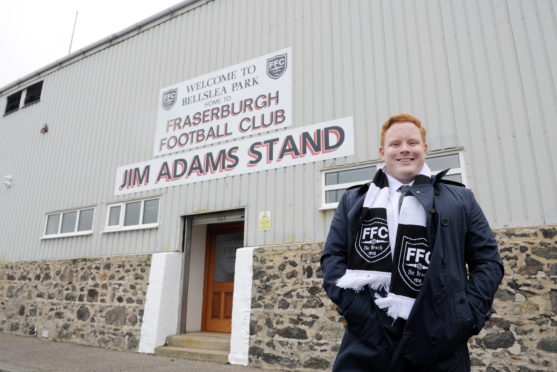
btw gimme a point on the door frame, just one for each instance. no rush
(188, 220)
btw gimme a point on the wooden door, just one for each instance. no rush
(222, 242)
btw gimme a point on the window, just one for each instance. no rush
(454, 161)
(12, 103)
(141, 214)
(337, 181)
(69, 223)
(32, 95)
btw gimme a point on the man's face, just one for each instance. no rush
(404, 151)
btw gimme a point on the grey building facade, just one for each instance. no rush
(479, 74)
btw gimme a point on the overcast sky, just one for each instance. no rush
(34, 33)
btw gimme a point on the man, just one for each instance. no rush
(410, 262)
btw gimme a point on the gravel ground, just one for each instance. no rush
(29, 354)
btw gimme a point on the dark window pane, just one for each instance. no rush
(68, 222)
(226, 246)
(52, 222)
(440, 163)
(12, 103)
(151, 211)
(85, 222)
(131, 216)
(33, 93)
(114, 216)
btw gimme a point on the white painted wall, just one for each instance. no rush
(162, 303)
(241, 307)
(194, 308)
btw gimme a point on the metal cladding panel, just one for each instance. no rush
(497, 105)
(479, 74)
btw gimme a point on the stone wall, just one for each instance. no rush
(91, 301)
(293, 323)
(522, 334)
(295, 326)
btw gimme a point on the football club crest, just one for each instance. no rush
(276, 66)
(169, 98)
(413, 261)
(372, 242)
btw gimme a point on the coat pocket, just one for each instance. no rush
(360, 318)
(463, 315)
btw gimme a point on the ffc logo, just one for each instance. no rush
(276, 66)
(372, 242)
(169, 98)
(413, 261)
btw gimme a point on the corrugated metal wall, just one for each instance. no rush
(480, 74)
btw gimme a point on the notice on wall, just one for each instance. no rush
(264, 221)
(251, 97)
(306, 144)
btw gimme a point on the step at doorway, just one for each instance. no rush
(204, 346)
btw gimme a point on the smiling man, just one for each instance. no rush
(410, 262)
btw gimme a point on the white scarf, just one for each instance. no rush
(370, 261)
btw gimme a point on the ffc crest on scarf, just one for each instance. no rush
(370, 261)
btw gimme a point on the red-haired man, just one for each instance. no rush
(411, 263)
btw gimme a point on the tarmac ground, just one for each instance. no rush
(30, 354)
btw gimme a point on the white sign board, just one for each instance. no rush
(306, 144)
(248, 98)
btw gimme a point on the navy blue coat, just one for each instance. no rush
(453, 304)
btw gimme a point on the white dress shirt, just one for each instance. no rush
(392, 210)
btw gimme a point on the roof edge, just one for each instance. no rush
(98, 43)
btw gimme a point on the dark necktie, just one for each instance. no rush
(403, 192)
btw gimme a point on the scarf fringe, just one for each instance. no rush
(397, 306)
(358, 279)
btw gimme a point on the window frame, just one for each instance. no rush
(123, 206)
(35, 86)
(59, 234)
(324, 188)
(14, 108)
(23, 97)
(339, 186)
(461, 170)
